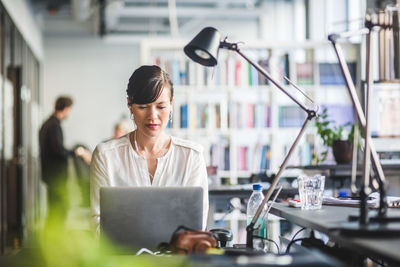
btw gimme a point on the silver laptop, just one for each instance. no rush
(143, 217)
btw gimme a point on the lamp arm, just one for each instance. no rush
(235, 47)
(310, 115)
(250, 227)
(360, 114)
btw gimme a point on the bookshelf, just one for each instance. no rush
(246, 125)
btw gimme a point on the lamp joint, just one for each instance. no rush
(311, 114)
(229, 46)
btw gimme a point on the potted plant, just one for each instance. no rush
(333, 136)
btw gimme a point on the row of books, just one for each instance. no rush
(249, 158)
(234, 71)
(294, 116)
(249, 115)
(329, 73)
(302, 155)
(246, 115)
(196, 116)
(238, 115)
(291, 116)
(220, 156)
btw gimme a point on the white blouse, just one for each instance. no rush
(116, 163)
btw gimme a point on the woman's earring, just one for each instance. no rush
(170, 117)
(132, 118)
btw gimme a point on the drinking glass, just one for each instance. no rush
(311, 190)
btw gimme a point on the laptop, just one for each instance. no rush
(144, 217)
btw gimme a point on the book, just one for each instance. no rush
(184, 116)
(284, 70)
(202, 115)
(265, 158)
(175, 72)
(331, 74)
(217, 110)
(243, 158)
(250, 115)
(238, 72)
(253, 76)
(227, 165)
(291, 116)
(264, 63)
(305, 73)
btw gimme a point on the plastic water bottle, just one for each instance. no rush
(254, 202)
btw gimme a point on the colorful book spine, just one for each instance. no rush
(305, 73)
(184, 116)
(331, 74)
(265, 158)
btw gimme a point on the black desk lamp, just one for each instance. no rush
(204, 49)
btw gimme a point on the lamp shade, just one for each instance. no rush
(204, 47)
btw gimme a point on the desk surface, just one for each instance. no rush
(329, 218)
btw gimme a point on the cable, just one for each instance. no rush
(292, 242)
(302, 229)
(270, 240)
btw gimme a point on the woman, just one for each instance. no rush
(148, 156)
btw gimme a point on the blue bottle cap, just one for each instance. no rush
(257, 187)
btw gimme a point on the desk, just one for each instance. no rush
(329, 218)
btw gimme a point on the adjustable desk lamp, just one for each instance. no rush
(371, 23)
(203, 49)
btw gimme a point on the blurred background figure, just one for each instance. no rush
(82, 162)
(54, 159)
(123, 127)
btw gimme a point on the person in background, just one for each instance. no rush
(82, 163)
(121, 128)
(54, 159)
(148, 156)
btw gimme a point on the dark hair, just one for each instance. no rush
(63, 102)
(146, 84)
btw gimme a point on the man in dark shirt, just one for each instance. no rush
(54, 159)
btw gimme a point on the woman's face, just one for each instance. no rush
(151, 119)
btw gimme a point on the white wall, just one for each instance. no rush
(95, 74)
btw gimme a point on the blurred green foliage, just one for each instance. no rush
(63, 246)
